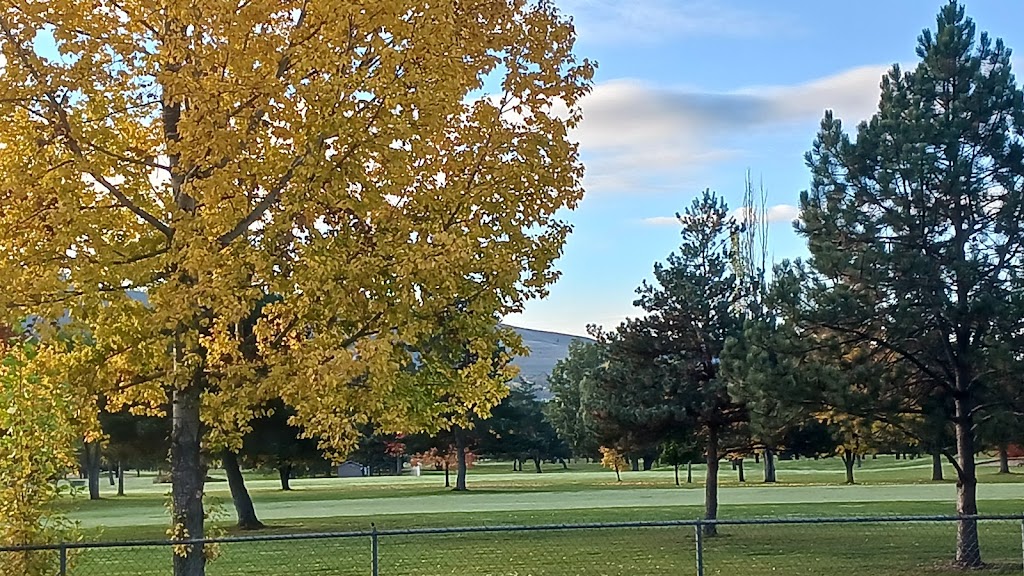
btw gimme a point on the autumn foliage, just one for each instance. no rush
(167, 167)
(37, 434)
(613, 460)
(442, 458)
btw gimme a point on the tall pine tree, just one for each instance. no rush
(661, 372)
(914, 231)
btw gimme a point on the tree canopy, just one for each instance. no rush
(340, 156)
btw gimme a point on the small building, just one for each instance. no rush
(350, 469)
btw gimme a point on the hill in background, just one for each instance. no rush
(546, 349)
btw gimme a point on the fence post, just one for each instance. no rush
(698, 532)
(63, 551)
(374, 558)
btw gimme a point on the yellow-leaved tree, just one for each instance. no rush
(37, 432)
(376, 166)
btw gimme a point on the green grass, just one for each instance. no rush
(585, 493)
(877, 549)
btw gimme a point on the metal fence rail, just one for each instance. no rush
(850, 546)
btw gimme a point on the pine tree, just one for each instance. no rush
(661, 372)
(914, 230)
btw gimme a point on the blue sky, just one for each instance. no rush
(692, 93)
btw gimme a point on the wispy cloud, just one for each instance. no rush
(773, 214)
(635, 134)
(661, 221)
(649, 21)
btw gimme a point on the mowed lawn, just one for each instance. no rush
(584, 493)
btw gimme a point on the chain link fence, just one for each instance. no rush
(793, 546)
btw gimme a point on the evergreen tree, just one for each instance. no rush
(570, 408)
(914, 231)
(661, 372)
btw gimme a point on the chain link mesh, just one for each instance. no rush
(876, 547)
(861, 548)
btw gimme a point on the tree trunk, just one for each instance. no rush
(769, 465)
(536, 464)
(120, 479)
(110, 476)
(897, 455)
(284, 472)
(675, 468)
(711, 483)
(1004, 460)
(187, 476)
(757, 457)
(618, 477)
(936, 467)
(447, 477)
(689, 472)
(398, 465)
(244, 510)
(634, 463)
(92, 469)
(739, 467)
(968, 547)
(565, 465)
(860, 460)
(848, 461)
(460, 460)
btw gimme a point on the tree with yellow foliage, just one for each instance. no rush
(37, 432)
(612, 459)
(377, 165)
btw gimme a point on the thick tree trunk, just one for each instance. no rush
(769, 465)
(634, 463)
(675, 468)
(187, 477)
(284, 472)
(936, 467)
(711, 483)
(689, 472)
(244, 510)
(739, 468)
(1004, 460)
(968, 547)
(398, 465)
(848, 460)
(460, 460)
(757, 457)
(92, 469)
(120, 479)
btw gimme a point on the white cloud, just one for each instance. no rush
(783, 213)
(661, 221)
(773, 214)
(635, 135)
(647, 21)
